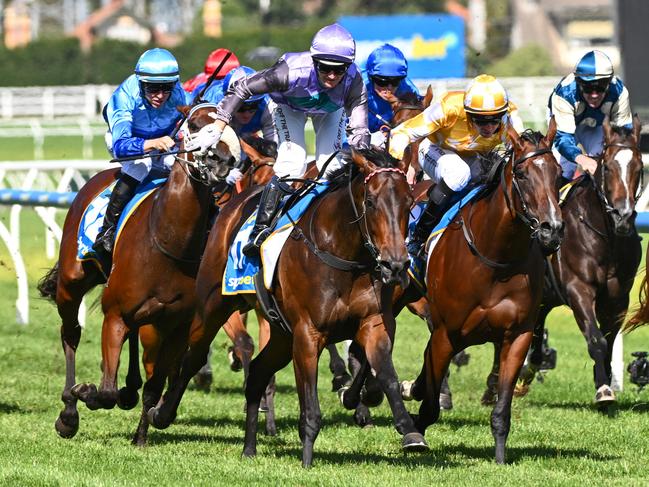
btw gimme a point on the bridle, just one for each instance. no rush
(524, 215)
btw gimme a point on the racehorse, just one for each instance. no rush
(409, 105)
(150, 288)
(334, 281)
(594, 269)
(485, 275)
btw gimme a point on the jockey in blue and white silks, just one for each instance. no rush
(579, 104)
(141, 114)
(323, 84)
(385, 77)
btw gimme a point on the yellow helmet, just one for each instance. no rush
(485, 96)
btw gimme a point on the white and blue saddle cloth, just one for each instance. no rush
(240, 270)
(418, 265)
(93, 217)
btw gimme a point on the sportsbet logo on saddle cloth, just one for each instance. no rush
(240, 270)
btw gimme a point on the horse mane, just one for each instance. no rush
(378, 157)
(265, 147)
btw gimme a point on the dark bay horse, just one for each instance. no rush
(485, 275)
(151, 288)
(596, 265)
(341, 292)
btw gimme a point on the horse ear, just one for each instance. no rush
(514, 138)
(552, 131)
(637, 126)
(428, 98)
(184, 109)
(363, 164)
(606, 126)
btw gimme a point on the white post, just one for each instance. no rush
(22, 302)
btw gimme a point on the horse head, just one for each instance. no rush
(384, 199)
(409, 105)
(620, 174)
(214, 166)
(535, 184)
(261, 155)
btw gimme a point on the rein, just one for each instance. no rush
(525, 217)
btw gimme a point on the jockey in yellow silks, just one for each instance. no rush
(455, 129)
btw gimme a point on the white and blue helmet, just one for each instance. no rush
(333, 43)
(235, 75)
(157, 66)
(594, 65)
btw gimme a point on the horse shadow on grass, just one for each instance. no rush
(611, 410)
(6, 408)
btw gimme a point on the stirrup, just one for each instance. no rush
(251, 249)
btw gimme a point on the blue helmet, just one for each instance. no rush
(593, 66)
(387, 61)
(333, 43)
(157, 66)
(235, 75)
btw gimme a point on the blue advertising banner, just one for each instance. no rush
(433, 43)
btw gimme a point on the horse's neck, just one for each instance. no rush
(179, 214)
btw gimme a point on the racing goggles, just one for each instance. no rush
(484, 120)
(325, 67)
(155, 88)
(251, 106)
(596, 86)
(387, 80)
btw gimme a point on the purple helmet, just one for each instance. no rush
(333, 43)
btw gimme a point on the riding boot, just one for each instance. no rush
(440, 198)
(122, 193)
(268, 206)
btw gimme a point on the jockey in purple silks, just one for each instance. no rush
(323, 84)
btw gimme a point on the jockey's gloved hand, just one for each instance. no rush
(202, 140)
(233, 176)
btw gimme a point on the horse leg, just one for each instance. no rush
(160, 359)
(445, 396)
(583, 306)
(128, 396)
(267, 404)
(377, 342)
(337, 367)
(611, 314)
(358, 396)
(273, 357)
(113, 335)
(512, 355)
(243, 345)
(490, 395)
(535, 355)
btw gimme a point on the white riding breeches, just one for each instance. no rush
(291, 151)
(441, 164)
(140, 168)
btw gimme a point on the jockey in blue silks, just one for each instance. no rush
(579, 104)
(323, 84)
(385, 77)
(141, 114)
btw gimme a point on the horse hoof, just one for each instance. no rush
(445, 402)
(249, 452)
(235, 363)
(340, 381)
(406, 390)
(489, 398)
(414, 442)
(67, 429)
(203, 381)
(362, 418)
(127, 399)
(83, 391)
(271, 430)
(604, 395)
(153, 415)
(521, 389)
(371, 397)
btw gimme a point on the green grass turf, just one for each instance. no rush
(557, 438)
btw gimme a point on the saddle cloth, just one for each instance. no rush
(93, 216)
(240, 269)
(418, 265)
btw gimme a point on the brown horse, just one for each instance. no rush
(151, 288)
(334, 281)
(485, 275)
(409, 105)
(594, 269)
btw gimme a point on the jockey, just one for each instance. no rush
(323, 84)
(579, 104)
(194, 85)
(385, 74)
(459, 127)
(141, 114)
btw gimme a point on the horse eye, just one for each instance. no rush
(519, 174)
(370, 203)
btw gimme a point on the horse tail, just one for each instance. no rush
(47, 284)
(641, 313)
